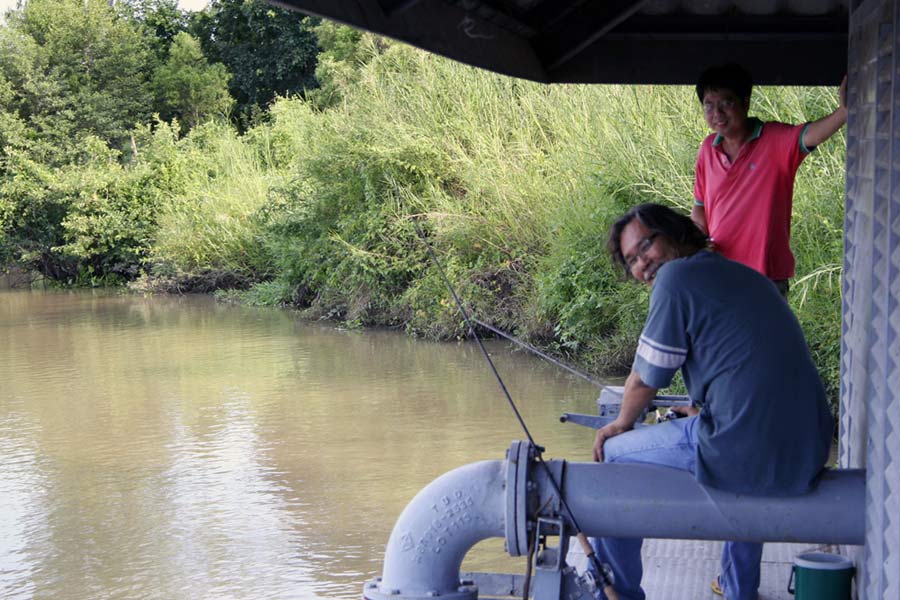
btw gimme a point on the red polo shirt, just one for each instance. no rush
(748, 202)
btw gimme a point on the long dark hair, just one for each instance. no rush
(661, 220)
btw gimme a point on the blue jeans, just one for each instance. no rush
(670, 444)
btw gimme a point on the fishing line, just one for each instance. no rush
(475, 335)
(543, 355)
(601, 569)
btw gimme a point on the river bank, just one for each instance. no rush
(513, 184)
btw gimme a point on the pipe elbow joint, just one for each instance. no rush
(436, 530)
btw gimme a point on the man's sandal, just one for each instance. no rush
(717, 587)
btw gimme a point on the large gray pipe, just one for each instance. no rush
(651, 501)
(436, 530)
(498, 499)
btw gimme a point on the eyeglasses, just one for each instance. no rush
(722, 105)
(642, 249)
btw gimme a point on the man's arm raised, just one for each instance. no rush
(636, 397)
(819, 131)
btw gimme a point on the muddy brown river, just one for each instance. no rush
(178, 448)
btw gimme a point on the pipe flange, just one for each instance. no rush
(518, 467)
(374, 591)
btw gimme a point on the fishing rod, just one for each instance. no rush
(601, 569)
(543, 355)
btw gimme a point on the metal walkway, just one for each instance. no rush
(684, 569)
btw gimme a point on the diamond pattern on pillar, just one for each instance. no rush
(870, 327)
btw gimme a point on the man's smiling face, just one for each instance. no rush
(725, 112)
(645, 251)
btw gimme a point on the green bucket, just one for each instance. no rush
(821, 576)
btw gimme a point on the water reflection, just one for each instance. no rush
(178, 448)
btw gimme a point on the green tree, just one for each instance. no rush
(74, 81)
(12, 128)
(341, 56)
(92, 221)
(188, 87)
(269, 51)
(161, 21)
(31, 216)
(77, 68)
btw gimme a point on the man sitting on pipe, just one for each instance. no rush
(763, 427)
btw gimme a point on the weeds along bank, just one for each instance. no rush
(514, 183)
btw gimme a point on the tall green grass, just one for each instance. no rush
(513, 183)
(209, 226)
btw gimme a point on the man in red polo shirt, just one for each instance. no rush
(744, 180)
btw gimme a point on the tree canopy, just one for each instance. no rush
(269, 51)
(189, 88)
(84, 82)
(75, 68)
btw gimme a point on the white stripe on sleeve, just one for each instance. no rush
(660, 355)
